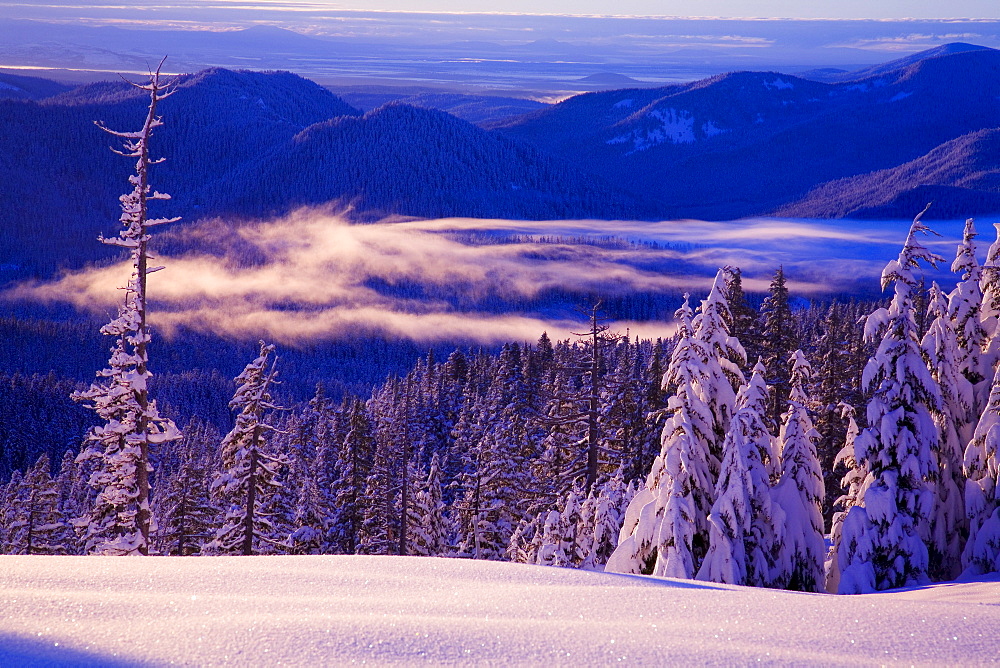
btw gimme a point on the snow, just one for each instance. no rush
(779, 84)
(709, 129)
(334, 610)
(675, 127)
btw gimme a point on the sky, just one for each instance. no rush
(837, 9)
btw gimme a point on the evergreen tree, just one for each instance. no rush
(982, 500)
(249, 471)
(353, 466)
(799, 492)
(852, 485)
(881, 545)
(428, 526)
(35, 523)
(184, 512)
(778, 342)
(745, 322)
(947, 530)
(725, 356)
(9, 501)
(665, 529)
(965, 309)
(743, 525)
(119, 521)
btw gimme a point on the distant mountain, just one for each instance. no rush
(609, 79)
(422, 162)
(961, 177)
(483, 110)
(250, 144)
(748, 143)
(838, 76)
(59, 174)
(16, 87)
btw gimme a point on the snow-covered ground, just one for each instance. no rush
(337, 610)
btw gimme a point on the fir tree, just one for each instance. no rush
(745, 322)
(185, 515)
(778, 342)
(36, 524)
(982, 501)
(942, 352)
(353, 466)
(665, 529)
(799, 492)
(965, 309)
(119, 521)
(852, 485)
(881, 545)
(428, 526)
(249, 471)
(743, 523)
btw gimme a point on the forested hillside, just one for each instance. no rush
(747, 143)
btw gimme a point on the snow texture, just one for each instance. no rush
(335, 610)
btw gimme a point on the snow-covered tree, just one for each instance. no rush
(601, 517)
(881, 544)
(665, 530)
(184, 513)
(965, 309)
(982, 500)
(119, 521)
(428, 525)
(778, 342)
(743, 522)
(249, 470)
(851, 483)
(799, 492)
(352, 466)
(989, 286)
(35, 523)
(942, 352)
(725, 357)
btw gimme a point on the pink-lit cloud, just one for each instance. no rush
(316, 275)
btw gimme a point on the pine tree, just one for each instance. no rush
(743, 525)
(965, 309)
(429, 527)
(36, 524)
(852, 486)
(119, 521)
(881, 545)
(9, 501)
(725, 356)
(778, 342)
(982, 501)
(184, 512)
(601, 517)
(249, 471)
(799, 492)
(353, 466)
(942, 352)
(745, 322)
(665, 529)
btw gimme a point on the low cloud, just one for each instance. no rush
(314, 275)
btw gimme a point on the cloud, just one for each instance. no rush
(314, 275)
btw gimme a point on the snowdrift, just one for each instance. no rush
(329, 610)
